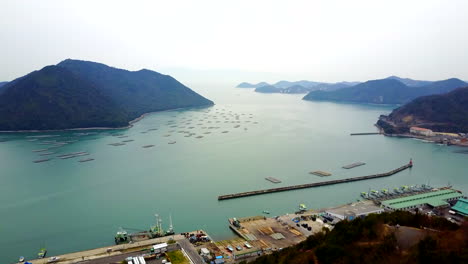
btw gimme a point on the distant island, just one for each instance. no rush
(83, 94)
(296, 87)
(428, 115)
(250, 85)
(392, 90)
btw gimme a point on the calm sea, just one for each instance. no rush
(65, 205)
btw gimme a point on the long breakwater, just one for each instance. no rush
(315, 184)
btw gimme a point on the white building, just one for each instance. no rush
(354, 210)
(421, 131)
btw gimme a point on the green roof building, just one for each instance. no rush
(437, 198)
(461, 207)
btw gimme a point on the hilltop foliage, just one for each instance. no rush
(78, 94)
(446, 113)
(369, 240)
(385, 91)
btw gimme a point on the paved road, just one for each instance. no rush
(191, 251)
(119, 258)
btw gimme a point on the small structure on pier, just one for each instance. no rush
(353, 165)
(273, 180)
(320, 173)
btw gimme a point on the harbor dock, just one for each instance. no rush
(366, 134)
(315, 184)
(115, 250)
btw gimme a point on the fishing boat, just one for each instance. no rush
(266, 212)
(21, 259)
(302, 207)
(42, 253)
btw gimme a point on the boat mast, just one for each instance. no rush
(171, 228)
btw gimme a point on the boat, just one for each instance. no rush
(364, 194)
(41, 160)
(302, 207)
(266, 212)
(21, 259)
(42, 253)
(121, 236)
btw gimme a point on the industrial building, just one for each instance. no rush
(421, 131)
(434, 199)
(354, 210)
(461, 207)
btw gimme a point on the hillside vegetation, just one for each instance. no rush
(385, 91)
(445, 113)
(376, 239)
(82, 94)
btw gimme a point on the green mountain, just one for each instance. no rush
(384, 91)
(444, 113)
(79, 94)
(137, 92)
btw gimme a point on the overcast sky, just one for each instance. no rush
(212, 40)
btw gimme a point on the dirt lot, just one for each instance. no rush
(271, 233)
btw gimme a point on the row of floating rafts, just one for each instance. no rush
(324, 173)
(66, 156)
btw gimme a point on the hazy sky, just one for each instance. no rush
(213, 40)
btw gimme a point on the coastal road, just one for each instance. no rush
(119, 258)
(191, 251)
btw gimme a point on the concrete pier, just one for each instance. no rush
(366, 134)
(316, 184)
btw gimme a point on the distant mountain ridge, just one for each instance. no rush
(385, 91)
(410, 82)
(295, 89)
(443, 113)
(250, 85)
(83, 94)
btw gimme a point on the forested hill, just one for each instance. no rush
(385, 91)
(444, 113)
(80, 94)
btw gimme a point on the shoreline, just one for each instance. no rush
(130, 123)
(423, 138)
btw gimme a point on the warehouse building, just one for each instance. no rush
(354, 210)
(461, 207)
(434, 199)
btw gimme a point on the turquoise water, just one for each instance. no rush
(68, 206)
